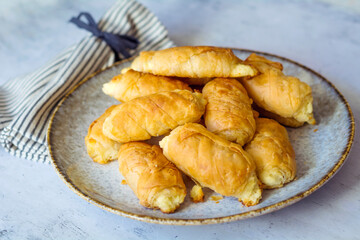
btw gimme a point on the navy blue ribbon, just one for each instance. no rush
(118, 43)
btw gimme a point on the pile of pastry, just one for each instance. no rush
(213, 134)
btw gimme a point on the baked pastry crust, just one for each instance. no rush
(154, 179)
(213, 162)
(290, 122)
(153, 115)
(190, 81)
(133, 84)
(275, 92)
(193, 62)
(273, 154)
(228, 112)
(99, 147)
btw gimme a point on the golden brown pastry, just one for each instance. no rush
(124, 70)
(275, 92)
(153, 115)
(190, 81)
(100, 148)
(228, 112)
(193, 62)
(154, 179)
(133, 84)
(273, 154)
(290, 122)
(262, 63)
(213, 162)
(255, 113)
(196, 194)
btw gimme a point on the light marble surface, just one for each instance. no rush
(324, 35)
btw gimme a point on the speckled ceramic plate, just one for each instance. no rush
(320, 152)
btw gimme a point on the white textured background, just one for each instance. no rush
(324, 35)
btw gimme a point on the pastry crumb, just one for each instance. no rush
(123, 182)
(216, 198)
(315, 130)
(196, 194)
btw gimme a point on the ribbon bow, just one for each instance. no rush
(118, 43)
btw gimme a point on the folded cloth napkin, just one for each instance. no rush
(27, 103)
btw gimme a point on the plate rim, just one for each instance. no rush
(215, 220)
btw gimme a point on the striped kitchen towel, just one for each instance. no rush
(27, 102)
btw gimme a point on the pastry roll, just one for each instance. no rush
(228, 112)
(193, 62)
(153, 115)
(154, 179)
(275, 92)
(133, 84)
(273, 154)
(213, 162)
(99, 147)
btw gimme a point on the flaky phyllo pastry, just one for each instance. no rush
(291, 122)
(133, 84)
(99, 147)
(273, 154)
(282, 95)
(213, 162)
(228, 112)
(154, 179)
(157, 100)
(153, 115)
(193, 62)
(190, 81)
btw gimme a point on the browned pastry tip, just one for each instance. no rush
(99, 147)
